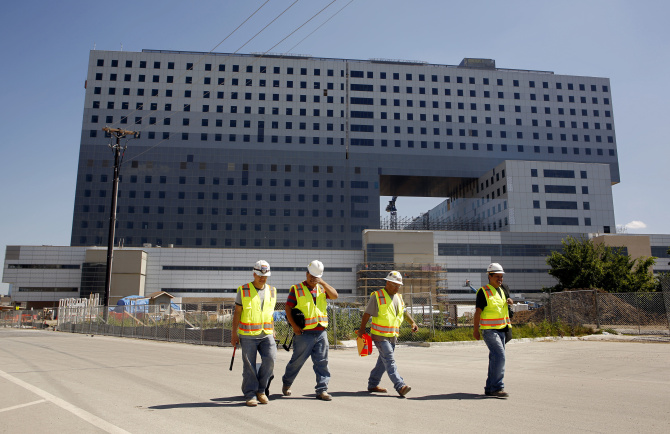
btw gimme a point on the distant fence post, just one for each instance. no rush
(665, 288)
(432, 316)
(334, 324)
(167, 332)
(637, 308)
(595, 297)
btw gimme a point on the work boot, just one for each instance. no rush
(286, 390)
(251, 402)
(262, 398)
(404, 390)
(323, 396)
(498, 393)
(377, 389)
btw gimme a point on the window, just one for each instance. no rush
(560, 189)
(562, 221)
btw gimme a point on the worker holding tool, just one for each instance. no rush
(387, 310)
(492, 317)
(253, 328)
(309, 297)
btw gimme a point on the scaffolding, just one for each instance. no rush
(417, 278)
(425, 223)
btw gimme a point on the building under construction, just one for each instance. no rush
(417, 278)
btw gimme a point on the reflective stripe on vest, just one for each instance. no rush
(315, 313)
(496, 313)
(387, 322)
(254, 320)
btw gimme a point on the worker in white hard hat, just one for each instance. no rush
(492, 318)
(309, 298)
(387, 310)
(253, 328)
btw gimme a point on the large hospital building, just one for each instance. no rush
(287, 156)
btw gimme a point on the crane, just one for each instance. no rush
(394, 213)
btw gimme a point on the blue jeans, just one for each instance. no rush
(256, 381)
(495, 340)
(314, 344)
(385, 362)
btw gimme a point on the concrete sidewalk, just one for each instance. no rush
(63, 382)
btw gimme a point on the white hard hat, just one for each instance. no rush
(262, 268)
(394, 277)
(495, 268)
(315, 268)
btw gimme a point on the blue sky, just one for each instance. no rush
(47, 46)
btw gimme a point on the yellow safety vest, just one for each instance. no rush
(387, 322)
(496, 313)
(253, 320)
(315, 314)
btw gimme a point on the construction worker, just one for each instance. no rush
(492, 317)
(253, 328)
(387, 309)
(309, 297)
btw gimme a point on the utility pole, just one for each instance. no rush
(119, 134)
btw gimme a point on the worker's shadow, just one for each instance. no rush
(457, 396)
(359, 393)
(232, 401)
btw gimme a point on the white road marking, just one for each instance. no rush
(22, 405)
(79, 412)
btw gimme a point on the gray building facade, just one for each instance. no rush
(294, 152)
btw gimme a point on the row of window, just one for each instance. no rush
(247, 138)
(423, 117)
(354, 74)
(561, 204)
(249, 96)
(243, 197)
(244, 167)
(455, 249)
(257, 212)
(566, 221)
(179, 226)
(273, 182)
(43, 266)
(227, 242)
(560, 189)
(555, 173)
(246, 123)
(244, 180)
(289, 84)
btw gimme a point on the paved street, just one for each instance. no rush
(60, 382)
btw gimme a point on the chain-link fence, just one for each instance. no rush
(210, 324)
(29, 319)
(639, 313)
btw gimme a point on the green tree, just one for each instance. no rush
(584, 264)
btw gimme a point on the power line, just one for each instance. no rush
(322, 24)
(204, 55)
(254, 61)
(267, 25)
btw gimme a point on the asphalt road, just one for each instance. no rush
(60, 382)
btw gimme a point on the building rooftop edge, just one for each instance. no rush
(308, 56)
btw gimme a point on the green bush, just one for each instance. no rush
(530, 330)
